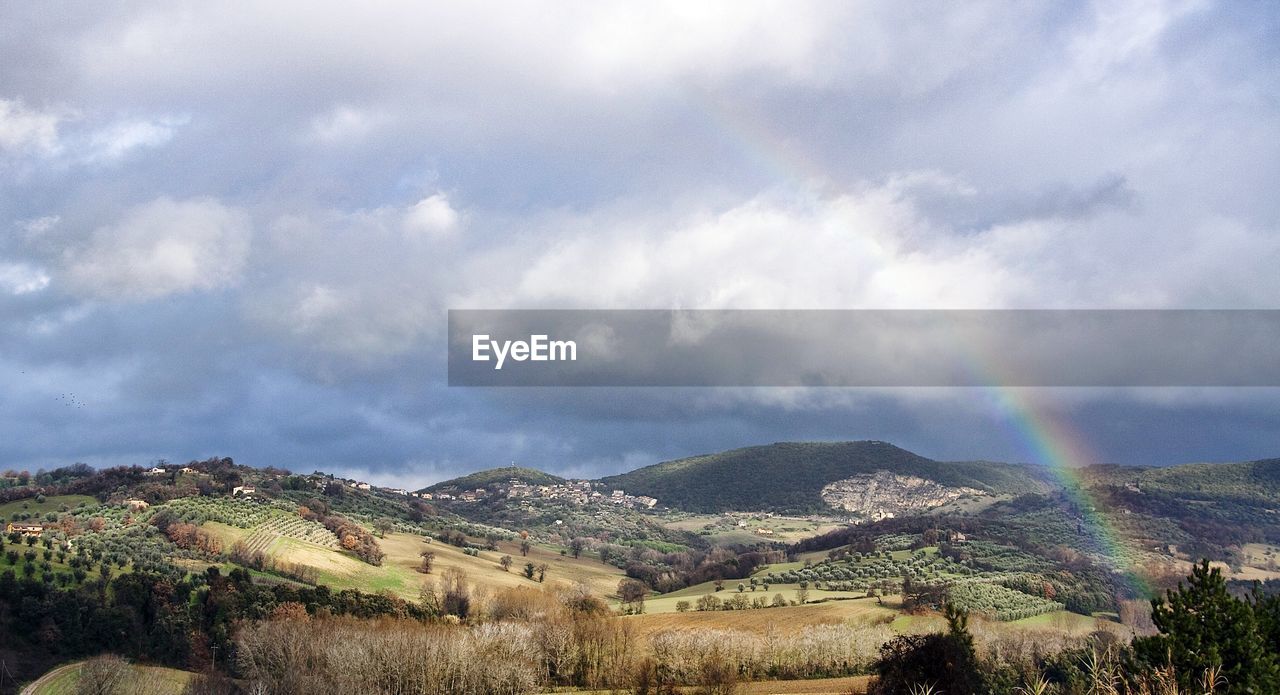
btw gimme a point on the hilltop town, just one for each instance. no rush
(577, 492)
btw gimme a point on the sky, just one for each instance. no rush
(235, 229)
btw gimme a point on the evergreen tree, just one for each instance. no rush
(1202, 626)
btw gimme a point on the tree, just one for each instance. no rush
(529, 569)
(946, 663)
(632, 593)
(802, 593)
(383, 526)
(575, 546)
(1203, 627)
(428, 558)
(542, 572)
(524, 548)
(505, 561)
(682, 606)
(778, 601)
(456, 599)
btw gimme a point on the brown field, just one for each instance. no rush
(822, 686)
(786, 620)
(817, 686)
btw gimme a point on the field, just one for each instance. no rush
(817, 686)
(145, 680)
(10, 511)
(786, 620)
(742, 528)
(399, 570)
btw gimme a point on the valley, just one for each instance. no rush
(852, 554)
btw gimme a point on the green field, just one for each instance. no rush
(399, 572)
(144, 680)
(58, 503)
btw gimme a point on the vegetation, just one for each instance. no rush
(715, 482)
(174, 569)
(493, 476)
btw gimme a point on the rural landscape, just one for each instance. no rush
(603, 347)
(871, 569)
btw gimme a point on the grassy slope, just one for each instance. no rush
(399, 571)
(9, 510)
(153, 680)
(789, 476)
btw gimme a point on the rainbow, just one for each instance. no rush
(1055, 444)
(1050, 441)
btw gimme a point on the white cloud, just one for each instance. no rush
(21, 278)
(863, 249)
(345, 125)
(432, 216)
(67, 137)
(26, 130)
(161, 248)
(117, 140)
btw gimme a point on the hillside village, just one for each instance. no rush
(578, 492)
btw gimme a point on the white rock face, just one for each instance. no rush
(883, 495)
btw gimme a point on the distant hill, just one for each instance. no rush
(494, 476)
(1257, 481)
(789, 476)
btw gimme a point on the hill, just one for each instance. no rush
(1257, 481)
(495, 476)
(790, 476)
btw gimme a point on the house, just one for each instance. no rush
(764, 531)
(157, 471)
(187, 470)
(136, 505)
(398, 491)
(647, 501)
(242, 490)
(24, 529)
(363, 486)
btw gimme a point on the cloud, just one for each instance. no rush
(26, 130)
(345, 125)
(161, 248)
(20, 278)
(117, 140)
(407, 158)
(68, 137)
(432, 216)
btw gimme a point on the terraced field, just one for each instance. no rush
(263, 535)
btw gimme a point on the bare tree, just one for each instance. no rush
(103, 675)
(505, 561)
(428, 558)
